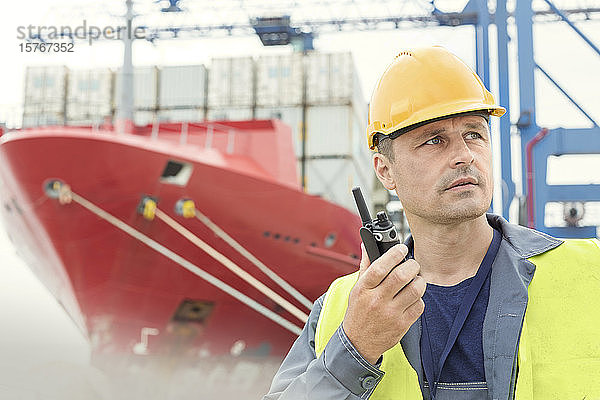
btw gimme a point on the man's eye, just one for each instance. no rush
(435, 140)
(473, 135)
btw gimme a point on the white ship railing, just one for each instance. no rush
(211, 129)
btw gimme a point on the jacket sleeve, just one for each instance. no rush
(339, 373)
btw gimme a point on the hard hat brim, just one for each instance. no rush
(426, 116)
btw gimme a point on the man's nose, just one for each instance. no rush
(460, 154)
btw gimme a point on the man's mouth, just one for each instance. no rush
(463, 183)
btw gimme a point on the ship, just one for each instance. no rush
(187, 253)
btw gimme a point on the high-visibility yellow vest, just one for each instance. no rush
(559, 347)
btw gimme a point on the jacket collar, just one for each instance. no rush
(526, 242)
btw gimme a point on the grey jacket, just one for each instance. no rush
(342, 373)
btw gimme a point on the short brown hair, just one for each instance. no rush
(384, 146)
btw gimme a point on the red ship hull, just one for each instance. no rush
(117, 289)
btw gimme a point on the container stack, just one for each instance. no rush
(322, 91)
(319, 92)
(336, 155)
(279, 92)
(230, 89)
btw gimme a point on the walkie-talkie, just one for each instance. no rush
(378, 235)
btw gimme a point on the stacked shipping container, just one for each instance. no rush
(182, 93)
(230, 89)
(322, 92)
(145, 94)
(317, 91)
(45, 92)
(89, 96)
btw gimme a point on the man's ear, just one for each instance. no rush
(382, 169)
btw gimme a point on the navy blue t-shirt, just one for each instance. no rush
(465, 360)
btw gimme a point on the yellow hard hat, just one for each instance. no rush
(422, 86)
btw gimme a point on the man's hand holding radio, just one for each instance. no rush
(384, 303)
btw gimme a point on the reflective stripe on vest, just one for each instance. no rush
(559, 347)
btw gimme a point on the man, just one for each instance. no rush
(480, 308)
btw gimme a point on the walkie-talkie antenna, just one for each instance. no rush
(365, 216)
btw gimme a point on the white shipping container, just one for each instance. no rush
(54, 107)
(51, 102)
(32, 112)
(342, 73)
(183, 86)
(335, 130)
(33, 107)
(292, 116)
(76, 112)
(77, 109)
(331, 130)
(30, 120)
(88, 114)
(42, 119)
(229, 114)
(279, 80)
(358, 99)
(330, 78)
(45, 83)
(231, 82)
(144, 88)
(92, 86)
(183, 115)
(333, 179)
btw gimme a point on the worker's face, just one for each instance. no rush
(430, 159)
